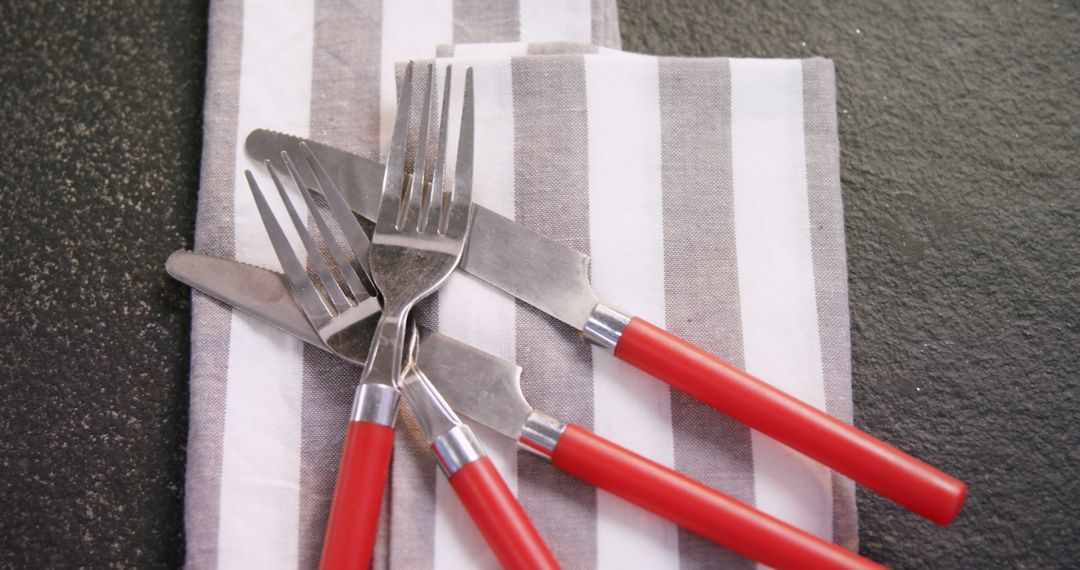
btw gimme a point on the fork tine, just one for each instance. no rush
(394, 180)
(433, 199)
(345, 268)
(337, 297)
(303, 288)
(354, 234)
(409, 216)
(456, 218)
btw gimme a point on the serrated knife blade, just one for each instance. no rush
(476, 384)
(544, 273)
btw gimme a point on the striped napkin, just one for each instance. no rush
(706, 190)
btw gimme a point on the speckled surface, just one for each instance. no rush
(959, 122)
(99, 156)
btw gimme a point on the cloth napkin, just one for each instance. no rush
(706, 191)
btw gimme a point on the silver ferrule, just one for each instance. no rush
(605, 326)
(540, 434)
(375, 403)
(456, 449)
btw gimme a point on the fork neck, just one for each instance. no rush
(386, 356)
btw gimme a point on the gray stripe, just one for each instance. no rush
(214, 231)
(551, 196)
(701, 282)
(210, 324)
(210, 321)
(827, 249)
(558, 48)
(344, 113)
(328, 386)
(345, 75)
(477, 21)
(412, 496)
(605, 24)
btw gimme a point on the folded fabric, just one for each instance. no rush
(706, 190)
(266, 413)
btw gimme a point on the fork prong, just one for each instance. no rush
(410, 212)
(345, 268)
(303, 288)
(337, 297)
(456, 218)
(346, 220)
(394, 180)
(433, 199)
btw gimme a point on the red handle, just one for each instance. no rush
(354, 514)
(869, 461)
(694, 506)
(500, 517)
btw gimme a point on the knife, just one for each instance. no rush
(554, 278)
(487, 389)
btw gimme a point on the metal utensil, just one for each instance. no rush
(487, 389)
(496, 401)
(417, 244)
(483, 492)
(345, 328)
(554, 278)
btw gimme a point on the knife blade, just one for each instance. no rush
(638, 480)
(546, 274)
(266, 295)
(472, 377)
(487, 389)
(554, 278)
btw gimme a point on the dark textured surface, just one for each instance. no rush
(99, 153)
(960, 128)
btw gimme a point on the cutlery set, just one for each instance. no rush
(358, 307)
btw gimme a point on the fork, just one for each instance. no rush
(417, 244)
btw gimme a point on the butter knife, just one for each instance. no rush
(487, 389)
(555, 279)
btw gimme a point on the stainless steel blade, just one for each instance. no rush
(544, 273)
(476, 384)
(352, 174)
(258, 292)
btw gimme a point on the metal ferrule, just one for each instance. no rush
(605, 326)
(375, 403)
(456, 449)
(540, 434)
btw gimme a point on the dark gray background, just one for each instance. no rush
(960, 130)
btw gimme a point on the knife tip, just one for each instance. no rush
(175, 259)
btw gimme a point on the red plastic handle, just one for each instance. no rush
(694, 506)
(869, 461)
(500, 517)
(358, 493)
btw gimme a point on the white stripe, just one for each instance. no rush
(411, 29)
(776, 278)
(477, 314)
(260, 479)
(626, 242)
(556, 20)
